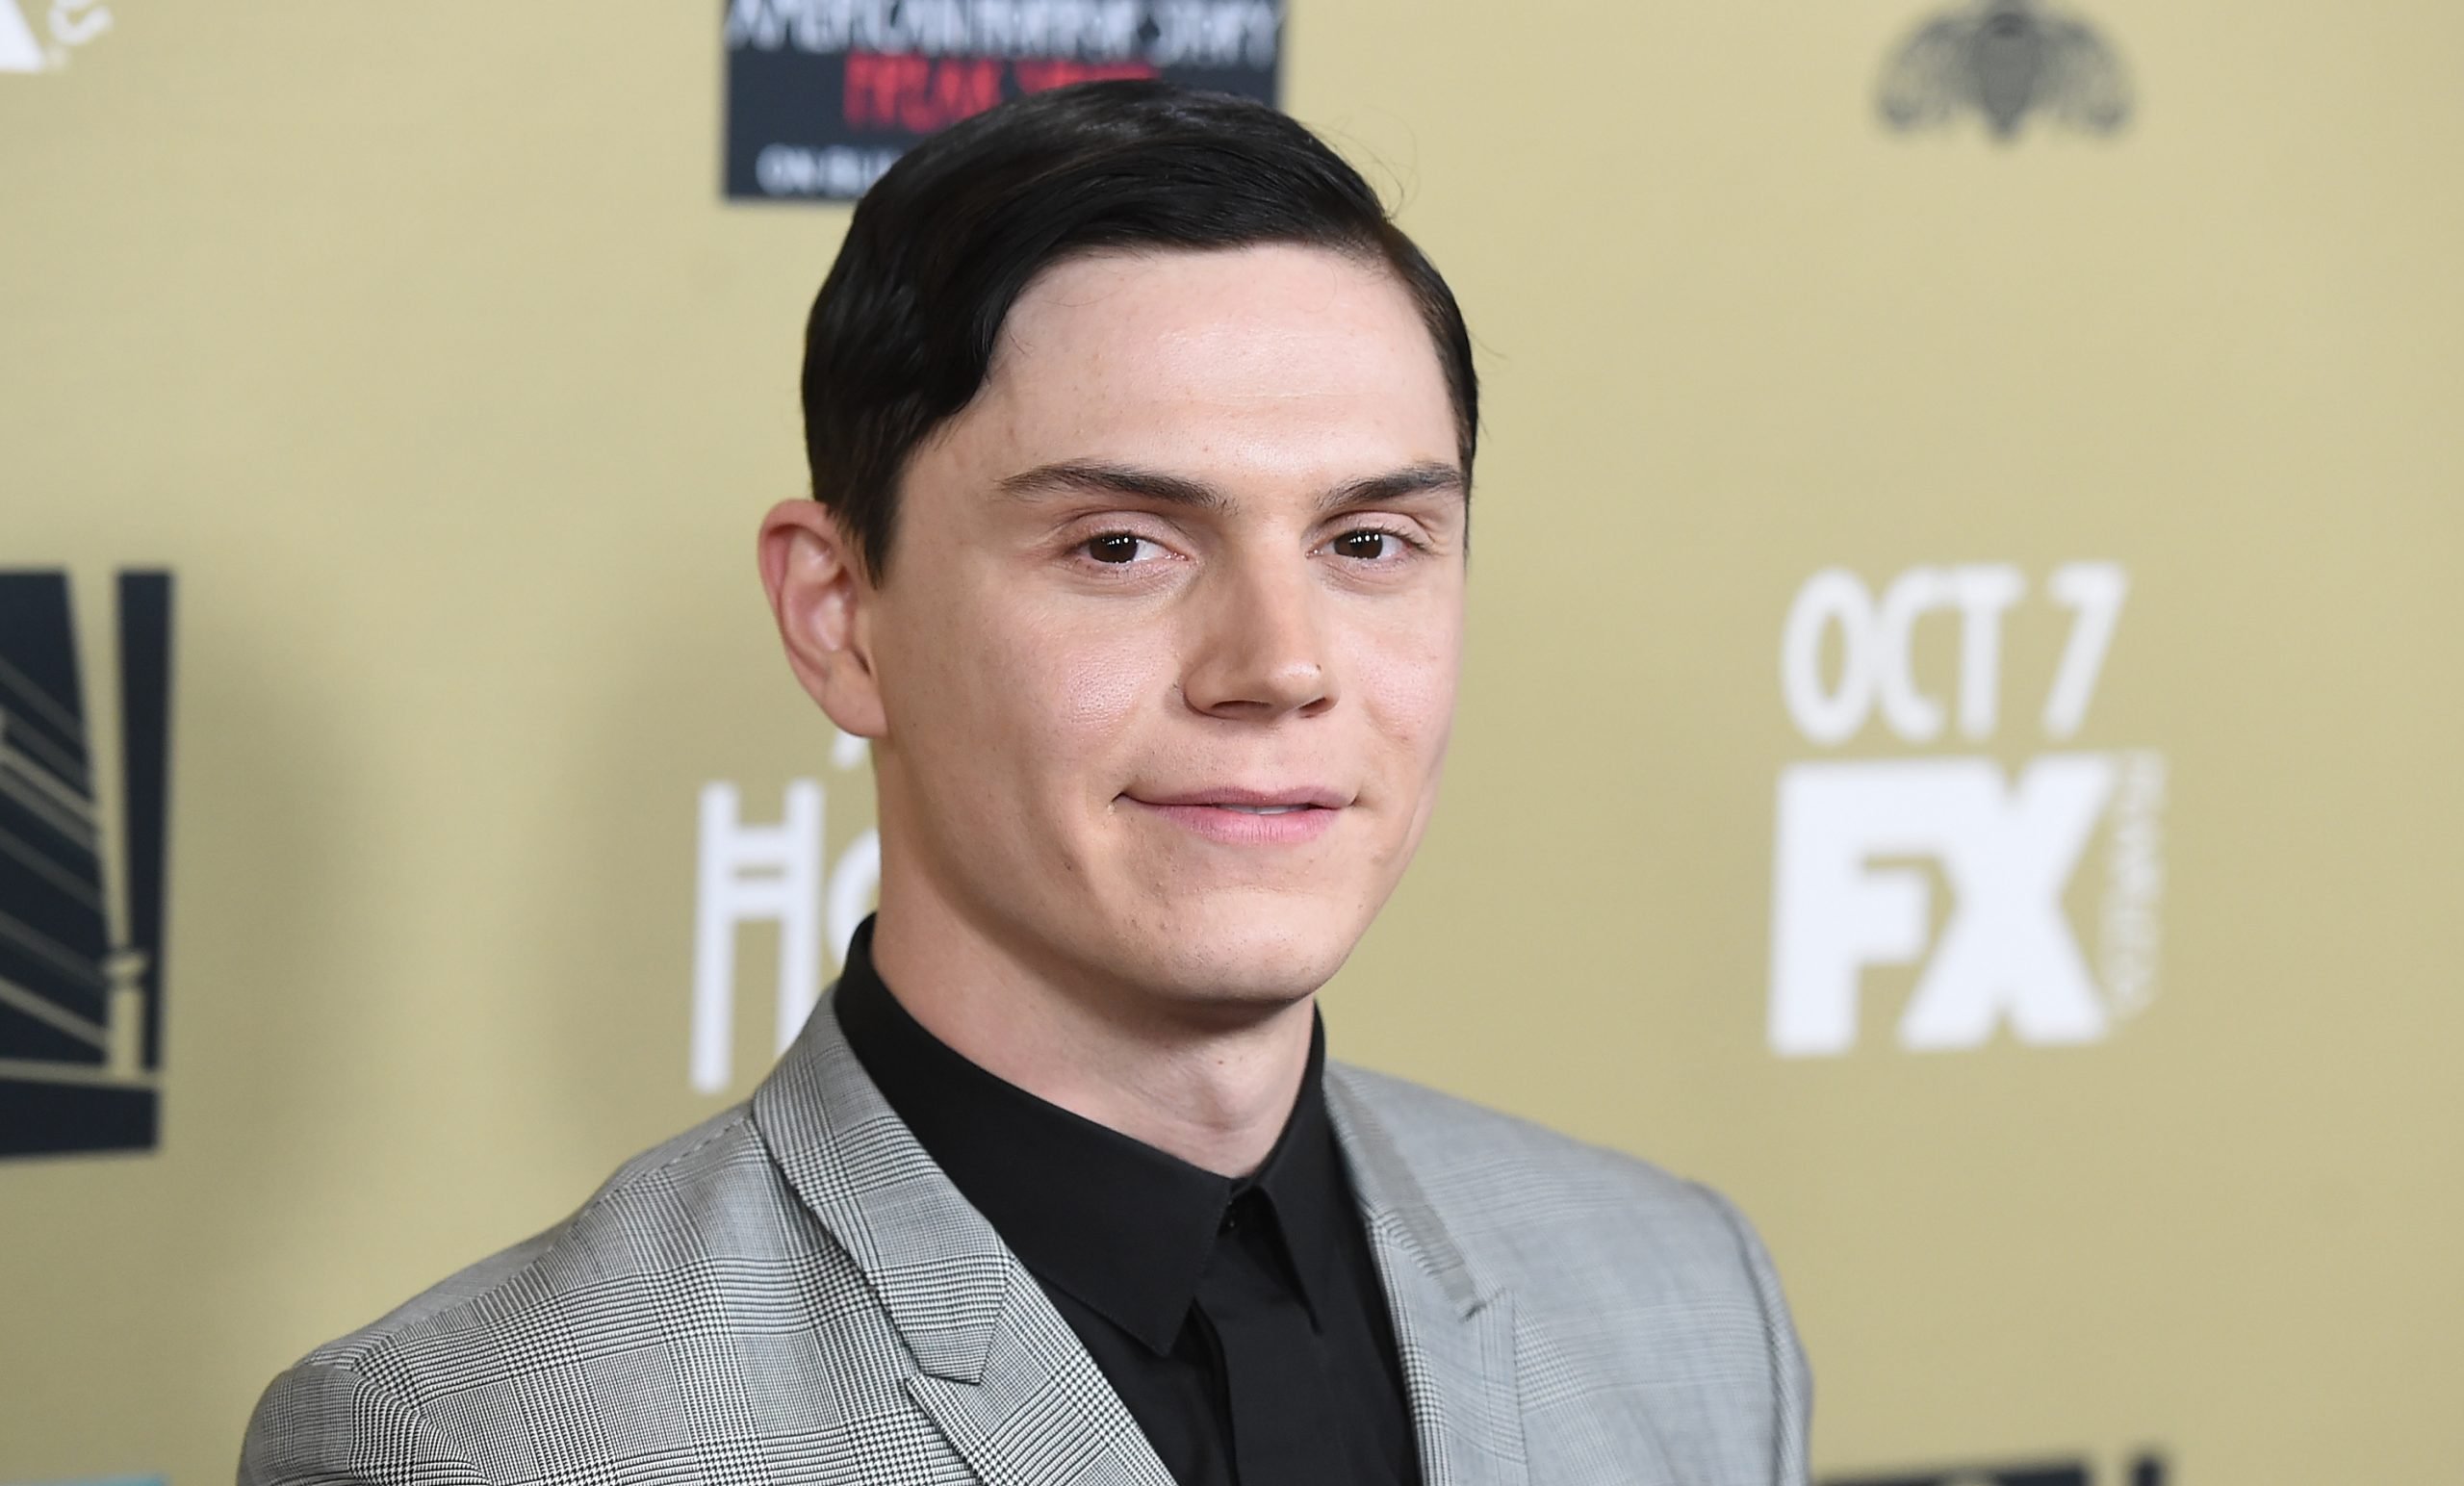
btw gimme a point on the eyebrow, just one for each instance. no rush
(1073, 474)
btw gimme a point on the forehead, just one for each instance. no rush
(1271, 354)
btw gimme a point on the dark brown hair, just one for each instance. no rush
(903, 333)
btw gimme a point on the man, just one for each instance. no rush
(1143, 445)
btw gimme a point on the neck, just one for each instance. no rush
(1210, 1086)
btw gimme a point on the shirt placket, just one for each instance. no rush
(1284, 1432)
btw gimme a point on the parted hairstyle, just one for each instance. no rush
(903, 332)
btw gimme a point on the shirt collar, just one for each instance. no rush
(1125, 1228)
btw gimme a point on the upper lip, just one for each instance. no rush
(1236, 794)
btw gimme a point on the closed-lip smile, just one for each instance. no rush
(1247, 816)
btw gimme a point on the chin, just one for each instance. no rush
(1246, 949)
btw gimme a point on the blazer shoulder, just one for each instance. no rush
(684, 1207)
(1521, 1196)
(1602, 1247)
(1450, 1143)
(602, 1240)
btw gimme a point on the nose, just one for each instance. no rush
(1259, 648)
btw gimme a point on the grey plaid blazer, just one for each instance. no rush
(793, 1292)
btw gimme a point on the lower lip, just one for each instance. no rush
(1240, 827)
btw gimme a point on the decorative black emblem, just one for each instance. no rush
(2147, 1469)
(82, 825)
(2006, 59)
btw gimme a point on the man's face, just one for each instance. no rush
(1167, 644)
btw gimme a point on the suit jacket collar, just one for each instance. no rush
(999, 1371)
(1124, 1228)
(934, 1263)
(1455, 1334)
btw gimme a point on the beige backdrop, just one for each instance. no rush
(417, 341)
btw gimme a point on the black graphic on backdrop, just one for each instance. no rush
(2147, 1469)
(81, 913)
(2005, 59)
(823, 94)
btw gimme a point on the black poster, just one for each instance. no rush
(823, 94)
(82, 834)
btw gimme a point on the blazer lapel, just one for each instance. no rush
(997, 1370)
(1040, 1410)
(1456, 1339)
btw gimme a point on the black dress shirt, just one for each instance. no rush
(1240, 1319)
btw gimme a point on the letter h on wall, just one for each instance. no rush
(753, 874)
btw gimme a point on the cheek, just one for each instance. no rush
(1100, 689)
(1408, 686)
(1067, 694)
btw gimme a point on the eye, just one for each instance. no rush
(1114, 547)
(1369, 543)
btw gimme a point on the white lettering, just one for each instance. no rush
(2007, 951)
(751, 874)
(1877, 660)
(76, 22)
(834, 170)
(1834, 596)
(70, 24)
(2096, 591)
(1227, 31)
(1984, 592)
(2134, 884)
(1214, 33)
(1833, 914)
(1916, 592)
(19, 50)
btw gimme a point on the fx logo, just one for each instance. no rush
(84, 777)
(1860, 842)
(67, 25)
(772, 874)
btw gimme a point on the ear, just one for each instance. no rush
(823, 603)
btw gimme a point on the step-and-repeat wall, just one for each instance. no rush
(1959, 743)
